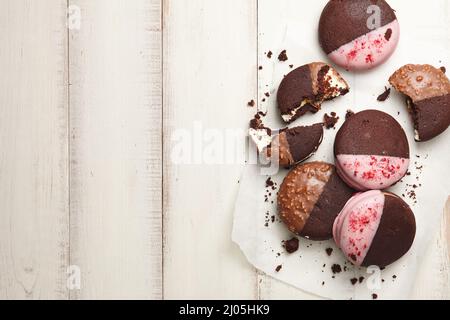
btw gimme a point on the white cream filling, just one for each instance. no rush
(260, 137)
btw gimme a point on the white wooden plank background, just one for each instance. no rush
(87, 125)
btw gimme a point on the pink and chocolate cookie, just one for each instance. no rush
(358, 34)
(371, 151)
(310, 198)
(306, 88)
(428, 97)
(374, 228)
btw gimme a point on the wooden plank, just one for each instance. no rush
(115, 149)
(209, 76)
(34, 158)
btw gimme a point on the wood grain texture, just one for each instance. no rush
(115, 149)
(34, 157)
(209, 76)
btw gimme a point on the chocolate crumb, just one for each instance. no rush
(394, 276)
(263, 100)
(329, 251)
(330, 121)
(267, 94)
(353, 257)
(382, 280)
(336, 268)
(272, 219)
(385, 95)
(282, 56)
(269, 182)
(251, 103)
(323, 282)
(353, 281)
(361, 279)
(269, 54)
(260, 67)
(291, 246)
(349, 114)
(291, 66)
(388, 34)
(443, 69)
(278, 268)
(374, 296)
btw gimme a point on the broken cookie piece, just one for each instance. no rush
(428, 98)
(306, 88)
(292, 145)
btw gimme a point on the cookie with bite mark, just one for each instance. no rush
(428, 98)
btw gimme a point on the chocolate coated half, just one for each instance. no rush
(335, 195)
(395, 234)
(371, 132)
(342, 21)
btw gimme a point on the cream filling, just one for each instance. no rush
(260, 137)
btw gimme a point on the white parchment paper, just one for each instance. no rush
(425, 38)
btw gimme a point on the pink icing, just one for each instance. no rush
(356, 225)
(369, 50)
(364, 172)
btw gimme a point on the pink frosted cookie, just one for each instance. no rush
(371, 151)
(358, 34)
(374, 228)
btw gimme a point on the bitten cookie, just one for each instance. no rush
(428, 98)
(374, 228)
(358, 34)
(310, 198)
(291, 145)
(371, 151)
(306, 88)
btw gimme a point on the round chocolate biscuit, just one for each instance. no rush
(306, 88)
(358, 34)
(375, 228)
(428, 97)
(371, 151)
(310, 198)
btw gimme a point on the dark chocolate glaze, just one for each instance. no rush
(372, 132)
(342, 21)
(294, 88)
(395, 234)
(304, 141)
(431, 116)
(335, 195)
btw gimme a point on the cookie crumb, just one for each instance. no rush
(336, 268)
(374, 296)
(361, 279)
(349, 114)
(269, 54)
(267, 94)
(291, 246)
(282, 56)
(330, 121)
(329, 251)
(278, 268)
(385, 95)
(251, 103)
(443, 69)
(291, 66)
(260, 67)
(353, 281)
